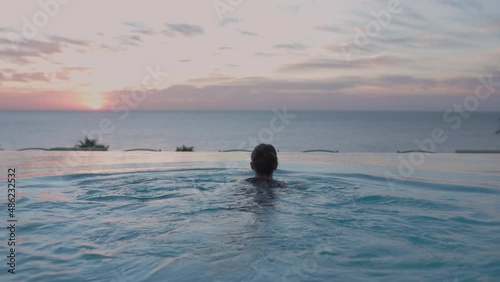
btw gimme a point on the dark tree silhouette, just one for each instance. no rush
(90, 143)
(184, 149)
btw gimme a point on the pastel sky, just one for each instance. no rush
(247, 54)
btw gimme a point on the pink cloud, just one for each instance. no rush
(29, 99)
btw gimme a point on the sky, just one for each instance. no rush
(249, 54)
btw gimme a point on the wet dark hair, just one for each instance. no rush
(264, 158)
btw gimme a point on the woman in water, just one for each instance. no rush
(264, 163)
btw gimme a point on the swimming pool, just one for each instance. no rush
(116, 216)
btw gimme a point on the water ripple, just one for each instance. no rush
(208, 225)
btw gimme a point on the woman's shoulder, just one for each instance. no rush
(281, 184)
(267, 182)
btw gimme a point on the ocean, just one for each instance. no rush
(290, 131)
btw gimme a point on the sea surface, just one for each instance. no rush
(374, 132)
(176, 216)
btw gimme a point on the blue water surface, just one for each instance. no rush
(184, 220)
(369, 132)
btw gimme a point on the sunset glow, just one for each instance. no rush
(93, 101)
(324, 55)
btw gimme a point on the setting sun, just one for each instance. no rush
(93, 101)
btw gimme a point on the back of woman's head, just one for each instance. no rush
(264, 158)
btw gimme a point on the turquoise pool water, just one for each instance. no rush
(114, 216)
